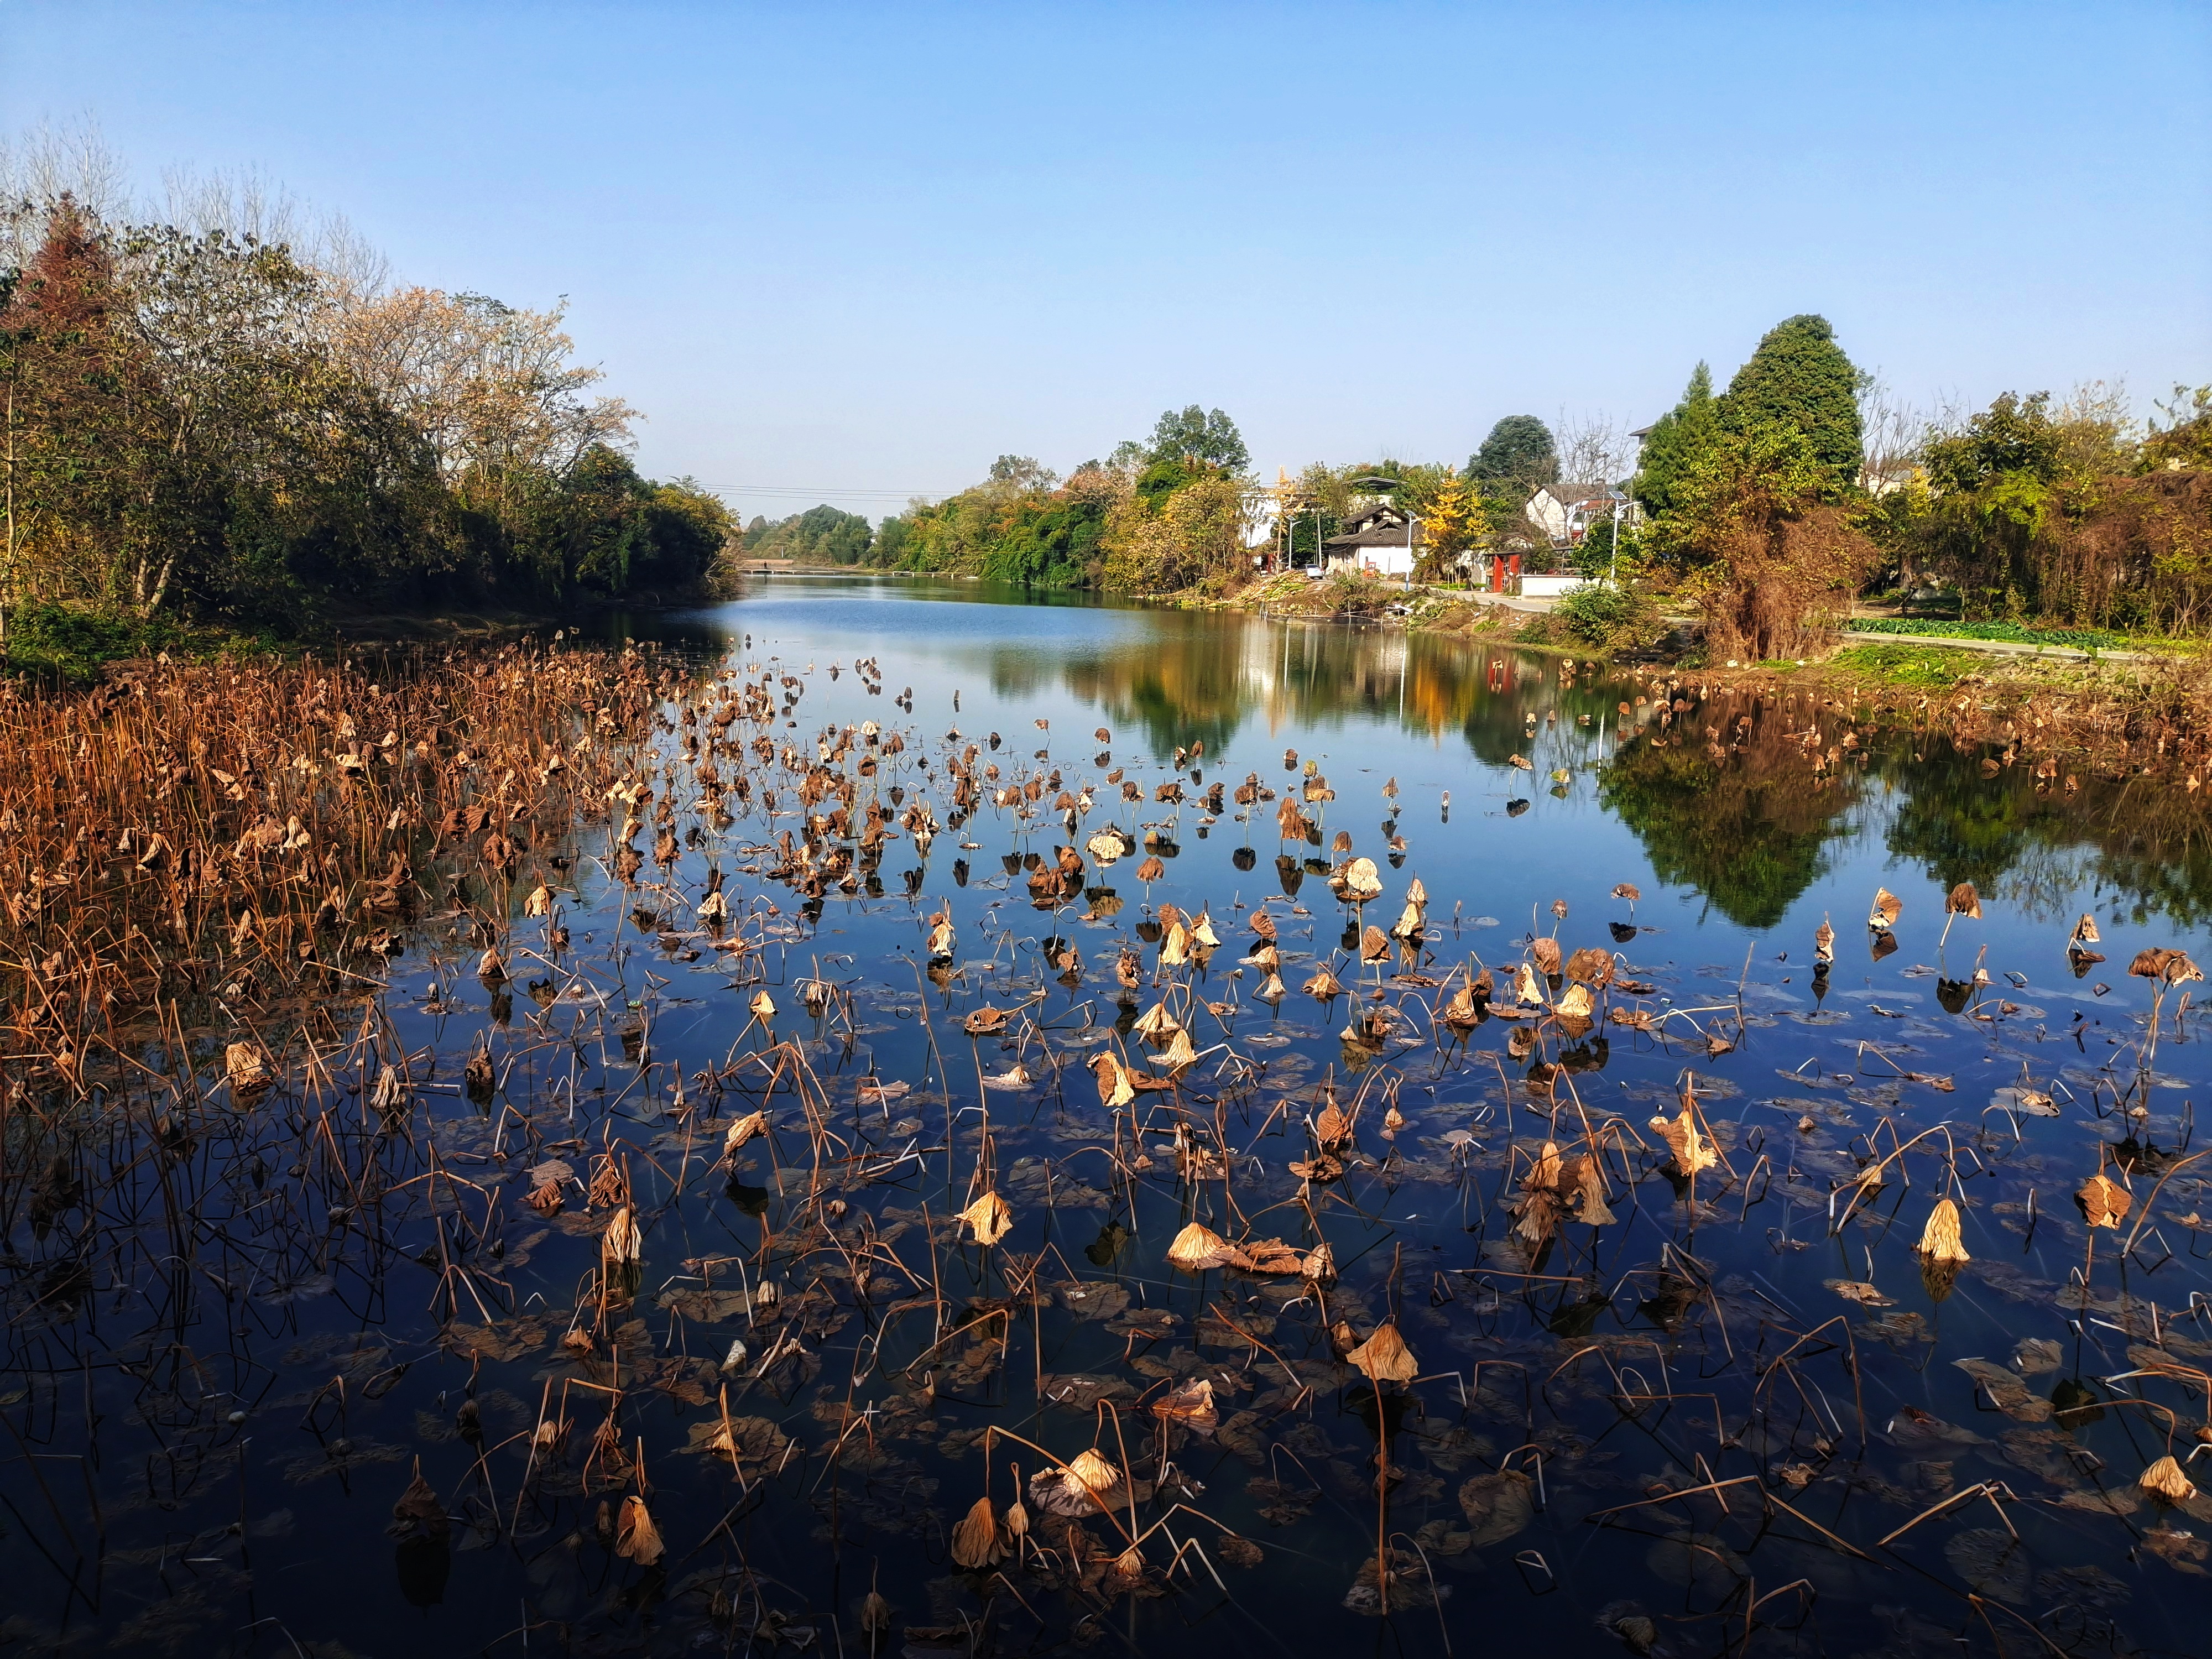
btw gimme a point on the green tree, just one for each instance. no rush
(1798, 377)
(196, 420)
(1204, 436)
(1676, 438)
(1163, 542)
(1022, 472)
(820, 535)
(2183, 439)
(1754, 543)
(889, 550)
(2063, 515)
(1518, 457)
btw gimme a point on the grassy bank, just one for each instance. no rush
(70, 645)
(2150, 712)
(74, 646)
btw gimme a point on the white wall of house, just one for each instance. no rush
(1548, 587)
(1548, 514)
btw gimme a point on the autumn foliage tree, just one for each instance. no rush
(1176, 536)
(2065, 513)
(1756, 543)
(65, 381)
(199, 418)
(1452, 521)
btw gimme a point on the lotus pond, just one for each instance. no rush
(883, 1119)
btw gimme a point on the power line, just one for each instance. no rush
(820, 489)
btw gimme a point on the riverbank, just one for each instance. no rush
(2115, 712)
(76, 645)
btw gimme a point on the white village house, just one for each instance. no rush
(1565, 511)
(1379, 537)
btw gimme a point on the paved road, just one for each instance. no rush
(1999, 648)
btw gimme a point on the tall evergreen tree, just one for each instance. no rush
(1675, 439)
(1800, 378)
(1518, 455)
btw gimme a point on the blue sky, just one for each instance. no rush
(848, 248)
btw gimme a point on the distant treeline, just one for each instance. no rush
(821, 535)
(1167, 513)
(1768, 505)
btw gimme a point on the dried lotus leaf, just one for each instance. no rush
(1198, 1248)
(988, 1218)
(1692, 1152)
(1591, 966)
(1180, 1051)
(1887, 908)
(622, 1244)
(636, 1538)
(1093, 1472)
(1497, 1506)
(2163, 1482)
(1113, 1077)
(1384, 1356)
(2104, 1201)
(2169, 967)
(1940, 1240)
(247, 1068)
(977, 1541)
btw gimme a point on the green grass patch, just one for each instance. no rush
(2081, 639)
(1928, 667)
(72, 644)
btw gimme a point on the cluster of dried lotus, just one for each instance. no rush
(1198, 1249)
(1572, 1188)
(2163, 965)
(1087, 1485)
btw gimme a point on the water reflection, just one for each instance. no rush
(1727, 800)
(1749, 833)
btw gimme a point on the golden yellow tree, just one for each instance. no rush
(1451, 520)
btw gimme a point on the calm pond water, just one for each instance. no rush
(1673, 1379)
